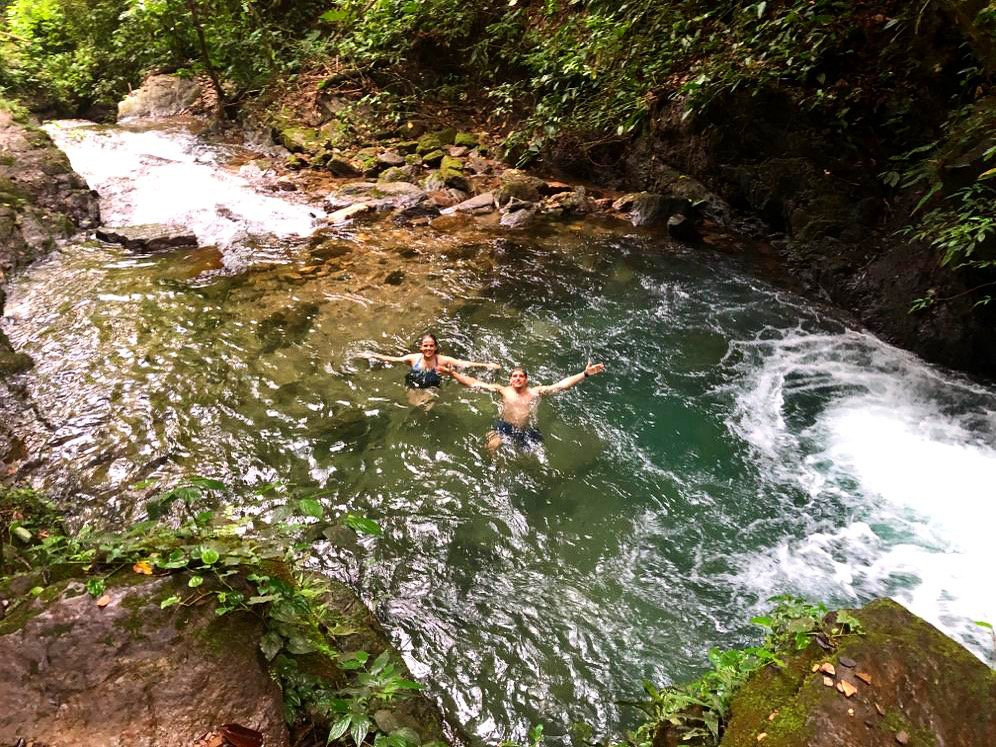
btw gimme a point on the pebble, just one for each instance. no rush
(902, 737)
(846, 661)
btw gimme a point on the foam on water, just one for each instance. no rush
(171, 177)
(908, 451)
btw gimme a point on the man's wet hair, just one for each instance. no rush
(519, 368)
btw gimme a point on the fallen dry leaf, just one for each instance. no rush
(880, 709)
(104, 601)
(771, 716)
(241, 736)
(828, 681)
(827, 668)
(864, 677)
(762, 736)
(847, 688)
(143, 567)
(816, 667)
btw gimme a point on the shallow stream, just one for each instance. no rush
(741, 443)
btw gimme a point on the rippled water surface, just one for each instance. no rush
(739, 445)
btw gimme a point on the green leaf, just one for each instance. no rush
(359, 729)
(37, 591)
(983, 624)
(143, 484)
(96, 586)
(354, 660)
(987, 174)
(169, 602)
(311, 507)
(207, 483)
(209, 556)
(764, 621)
(334, 16)
(270, 644)
(760, 8)
(362, 525)
(338, 729)
(195, 581)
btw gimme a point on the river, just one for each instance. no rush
(742, 442)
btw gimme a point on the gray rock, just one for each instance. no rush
(519, 218)
(483, 203)
(159, 96)
(341, 167)
(390, 158)
(150, 237)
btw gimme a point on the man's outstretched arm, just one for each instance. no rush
(470, 380)
(563, 385)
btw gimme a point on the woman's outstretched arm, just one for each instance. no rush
(446, 360)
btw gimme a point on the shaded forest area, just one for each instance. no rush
(863, 134)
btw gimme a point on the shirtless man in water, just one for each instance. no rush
(519, 402)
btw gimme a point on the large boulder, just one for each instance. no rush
(159, 96)
(908, 683)
(130, 673)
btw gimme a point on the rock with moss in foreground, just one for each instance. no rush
(900, 682)
(189, 633)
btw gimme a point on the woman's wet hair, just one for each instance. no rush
(431, 337)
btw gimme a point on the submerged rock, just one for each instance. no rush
(150, 237)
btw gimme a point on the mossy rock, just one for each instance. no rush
(432, 158)
(300, 139)
(406, 146)
(436, 140)
(398, 174)
(465, 139)
(14, 363)
(921, 682)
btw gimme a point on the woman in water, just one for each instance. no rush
(425, 365)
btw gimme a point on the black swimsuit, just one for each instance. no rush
(522, 438)
(423, 378)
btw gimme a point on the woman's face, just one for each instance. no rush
(427, 346)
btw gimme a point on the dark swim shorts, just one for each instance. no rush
(522, 438)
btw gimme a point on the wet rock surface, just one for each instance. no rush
(151, 237)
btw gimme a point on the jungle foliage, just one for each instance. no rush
(590, 73)
(250, 564)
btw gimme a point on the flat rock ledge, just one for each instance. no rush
(151, 237)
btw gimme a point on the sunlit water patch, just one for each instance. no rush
(740, 444)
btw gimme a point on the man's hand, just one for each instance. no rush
(492, 366)
(593, 368)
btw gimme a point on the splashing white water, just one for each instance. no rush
(911, 454)
(170, 177)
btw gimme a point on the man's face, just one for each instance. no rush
(517, 380)
(428, 347)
